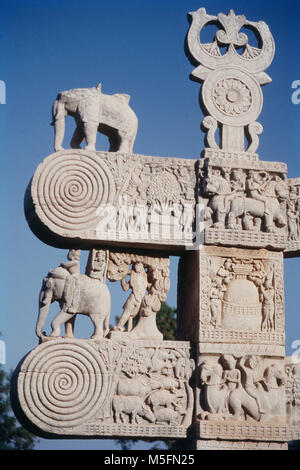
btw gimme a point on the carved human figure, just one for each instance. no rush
(258, 273)
(98, 264)
(225, 271)
(268, 307)
(256, 185)
(72, 289)
(160, 282)
(248, 365)
(231, 375)
(216, 295)
(238, 182)
(293, 213)
(138, 283)
(289, 388)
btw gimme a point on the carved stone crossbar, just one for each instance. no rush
(85, 199)
(107, 388)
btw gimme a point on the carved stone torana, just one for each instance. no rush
(106, 388)
(226, 382)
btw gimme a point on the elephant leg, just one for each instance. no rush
(97, 322)
(124, 143)
(61, 317)
(90, 132)
(59, 131)
(129, 323)
(69, 326)
(269, 223)
(78, 137)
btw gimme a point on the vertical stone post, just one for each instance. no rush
(236, 322)
(230, 298)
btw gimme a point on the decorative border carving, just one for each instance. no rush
(242, 349)
(244, 237)
(234, 431)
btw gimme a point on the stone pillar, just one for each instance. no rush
(236, 322)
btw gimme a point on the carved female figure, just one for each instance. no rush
(268, 308)
(216, 294)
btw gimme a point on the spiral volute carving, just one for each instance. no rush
(68, 188)
(62, 384)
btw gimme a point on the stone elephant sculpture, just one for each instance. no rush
(95, 111)
(77, 293)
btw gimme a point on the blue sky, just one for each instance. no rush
(133, 47)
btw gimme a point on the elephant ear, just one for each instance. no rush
(89, 107)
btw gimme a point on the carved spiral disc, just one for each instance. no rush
(68, 187)
(232, 96)
(62, 384)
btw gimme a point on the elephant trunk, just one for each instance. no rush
(58, 121)
(43, 312)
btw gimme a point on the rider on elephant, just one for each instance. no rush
(71, 293)
(256, 186)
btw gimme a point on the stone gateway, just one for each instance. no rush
(225, 383)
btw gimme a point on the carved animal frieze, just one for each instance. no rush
(239, 388)
(69, 386)
(240, 199)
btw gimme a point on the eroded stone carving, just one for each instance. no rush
(149, 284)
(292, 369)
(244, 200)
(107, 196)
(75, 293)
(94, 111)
(235, 388)
(107, 388)
(231, 302)
(242, 294)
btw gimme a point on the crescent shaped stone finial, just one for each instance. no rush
(253, 59)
